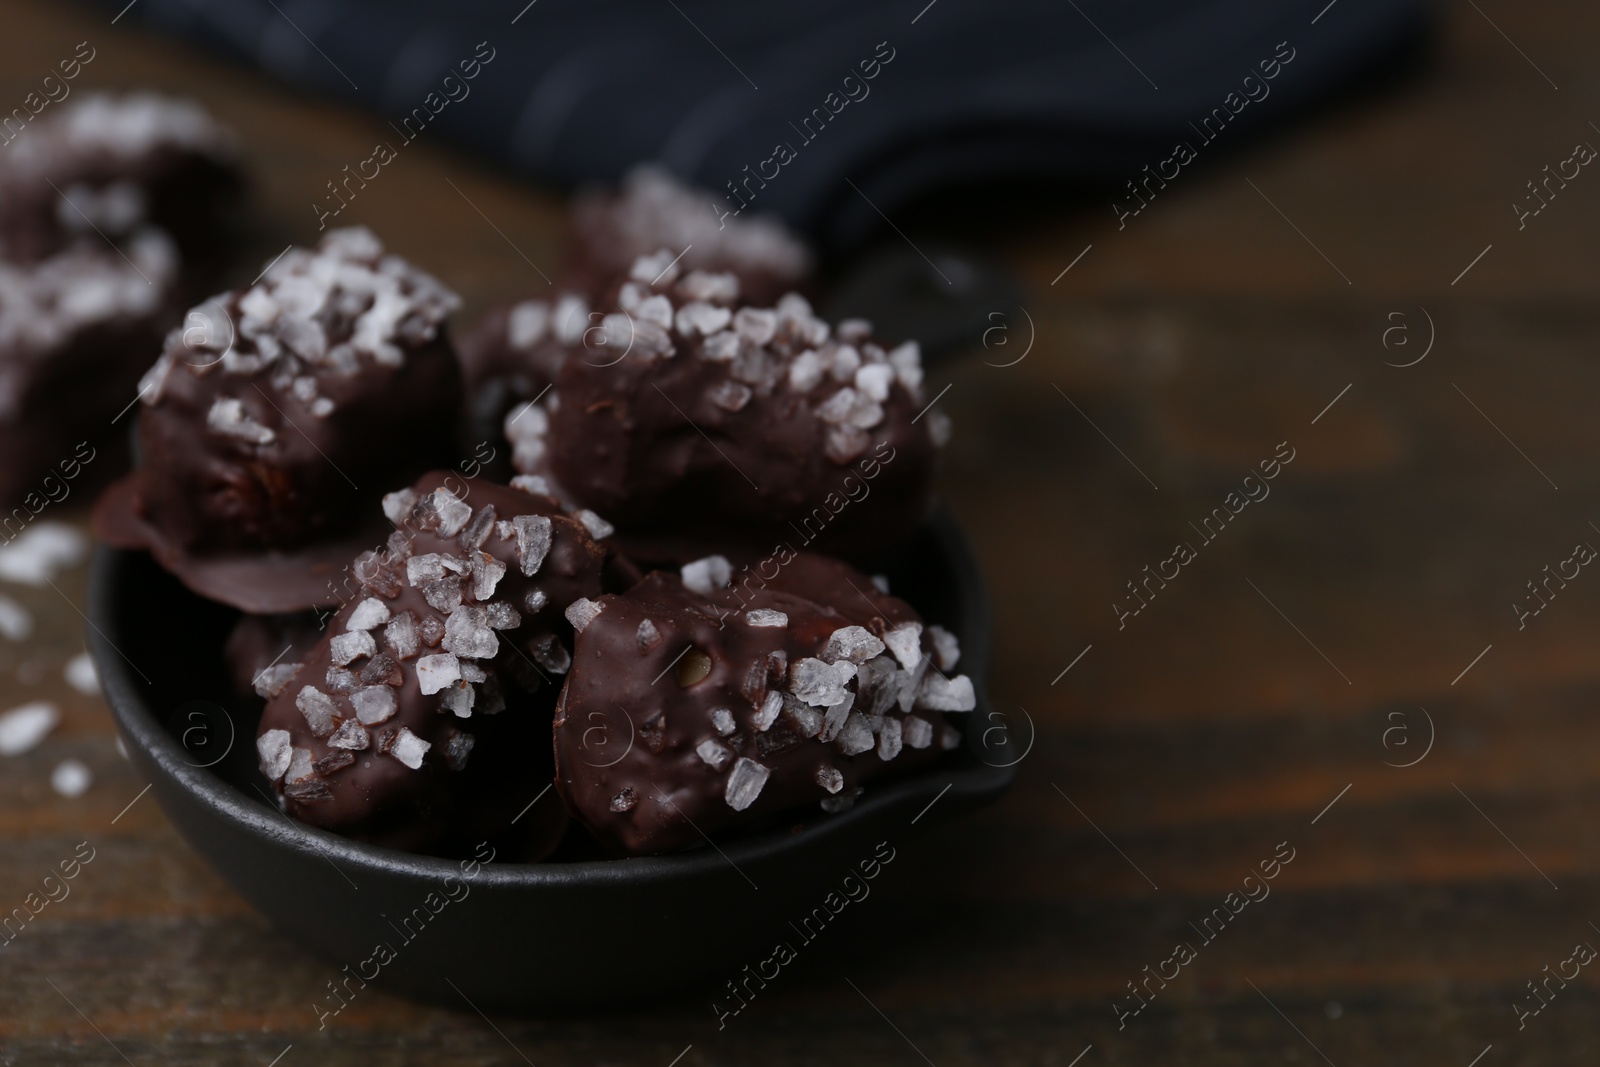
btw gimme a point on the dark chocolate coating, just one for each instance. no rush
(628, 727)
(651, 444)
(435, 807)
(257, 642)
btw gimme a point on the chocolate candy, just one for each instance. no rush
(516, 352)
(692, 708)
(653, 210)
(102, 167)
(679, 414)
(275, 414)
(76, 331)
(421, 718)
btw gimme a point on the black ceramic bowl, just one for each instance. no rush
(525, 938)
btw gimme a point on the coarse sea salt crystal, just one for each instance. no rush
(552, 655)
(467, 634)
(581, 612)
(818, 683)
(453, 512)
(40, 552)
(349, 736)
(805, 371)
(369, 613)
(373, 704)
(534, 535)
(939, 693)
(456, 751)
(300, 766)
(889, 739)
(401, 635)
(830, 779)
(722, 721)
(856, 737)
(705, 576)
(598, 528)
(874, 380)
(806, 721)
(434, 673)
(273, 679)
(768, 713)
(531, 483)
(837, 716)
(917, 731)
(946, 649)
(701, 318)
(458, 700)
(81, 675)
(744, 783)
(906, 359)
(905, 642)
(648, 636)
(22, 728)
(528, 323)
(854, 644)
(949, 738)
(399, 504)
(766, 617)
(273, 749)
(409, 749)
(318, 708)
(721, 347)
(713, 753)
(486, 574)
(16, 623)
(345, 647)
(757, 325)
(71, 778)
(882, 582)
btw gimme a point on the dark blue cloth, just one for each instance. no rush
(580, 90)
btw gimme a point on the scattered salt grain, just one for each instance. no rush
(40, 552)
(874, 379)
(854, 644)
(349, 736)
(946, 649)
(939, 693)
(300, 766)
(766, 617)
(581, 612)
(16, 624)
(830, 779)
(819, 683)
(534, 535)
(882, 582)
(705, 576)
(531, 483)
(458, 700)
(409, 749)
(648, 636)
(227, 417)
(889, 739)
(401, 635)
(713, 753)
(906, 643)
(598, 528)
(318, 708)
(351, 646)
(768, 714)
(744, 783)
(273, 749)
(272, 680)
(722, 720)
(397, 506)
(369, 613)
(24, 727)
(81, 674)
(856, 737)
(917, 731)
(456, 751)
(434, 673)
(373, 704)
(71, 778)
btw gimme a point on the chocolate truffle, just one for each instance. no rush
(703, 231)
(679, 414)
(76, 332)
(421, 719)
(276, 413)
(692, 708)
(104, 166)
(515, 352)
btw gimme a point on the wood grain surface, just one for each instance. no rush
(1358, 617)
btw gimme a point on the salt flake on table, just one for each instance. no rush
(71, 778)
(22, 728)
(41, 551)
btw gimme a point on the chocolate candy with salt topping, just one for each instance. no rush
(692, 708)
(421, 718)
(652, 210)
(76, 332)
(276, 413)
(101, 167)
(682, 415)
(516, 352)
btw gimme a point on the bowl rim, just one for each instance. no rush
(975, 781)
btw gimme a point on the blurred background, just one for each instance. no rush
(1361, 268)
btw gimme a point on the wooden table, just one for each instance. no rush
(1358, 617)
